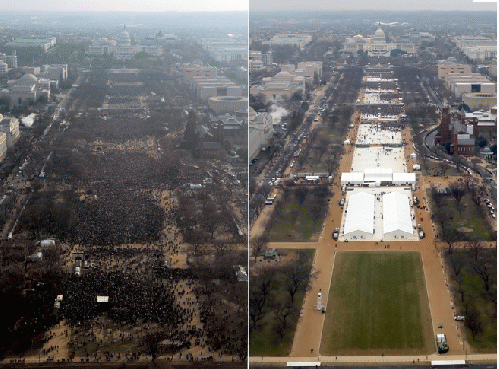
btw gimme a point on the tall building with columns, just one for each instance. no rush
(122, 48)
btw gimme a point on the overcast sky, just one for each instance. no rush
(242, 5)
(125, 5)
(275, 5)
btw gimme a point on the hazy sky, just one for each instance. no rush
(275, 5)
(242, 5)
(125, 5)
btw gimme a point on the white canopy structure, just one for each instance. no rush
(359, 221)
(404, 179)
(352, 179)
(397, 223)
(47, 243)
(378, 175)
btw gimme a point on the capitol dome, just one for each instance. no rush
(379, 33)
(124, 37)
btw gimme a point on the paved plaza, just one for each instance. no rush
(379, 157)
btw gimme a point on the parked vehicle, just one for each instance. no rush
(442, 343)
(336, 233)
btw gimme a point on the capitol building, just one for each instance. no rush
(122, 48)
(375, 45)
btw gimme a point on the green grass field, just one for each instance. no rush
(433, 168)
(297, 222)
(264, 341)
(469, 216)
(475, 297)
(467, 221)
(294, 224)
(377, 305)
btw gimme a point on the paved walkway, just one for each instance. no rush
(486, 358)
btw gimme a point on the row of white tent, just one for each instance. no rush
(377, 177)
(360, 216)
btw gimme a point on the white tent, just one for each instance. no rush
(102, 298)
(312, 178)
(404, 179)
(397, 222)
(352, 179)
(413, 155)
(359, 221)
(47, 243)
(378, 175)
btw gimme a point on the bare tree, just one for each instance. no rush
(450, 237)
(210, 217)
(475, 247)
(458, 264)
(473, 321)
(483, 267)
(322, 145)
(259, 245)
(281, 314)
(475, 193)
(301, 194)
(295, 277)
(330, 165)
(196, 241)
(316, 208)
(259, 294)
(459, 287)
(457, 190)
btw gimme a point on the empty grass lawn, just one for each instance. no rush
(435, 169)
(472, 298)
(377, 305)
(468, 220)
(264, 340)
(294, 220)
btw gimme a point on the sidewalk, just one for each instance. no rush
(486, 358)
